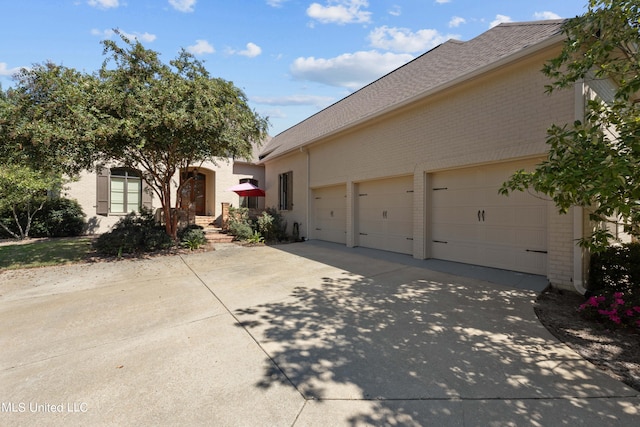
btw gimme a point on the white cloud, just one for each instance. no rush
(5, 71)
(251, 51)
(443, 1)
(276, 3)
(546, 15)
(104, 4)
(456, 21)
(296, 100)
(183, 5)
(350, 70)
(404, 40)
(200, 48)
(107, 34)
(395, 10)
(500, 19)
(340, 12)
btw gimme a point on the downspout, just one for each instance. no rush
(307, 215)
(578, 211)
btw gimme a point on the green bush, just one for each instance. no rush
(132, 234)
(614, 286)
(59, 217)
(192, 237)
(241, 230)
(617, 269)
(272, 226)
(240, 226)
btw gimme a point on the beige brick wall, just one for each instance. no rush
(490, 119)
(220, 176)
(297, 164)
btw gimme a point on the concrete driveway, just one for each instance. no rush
(295, 335)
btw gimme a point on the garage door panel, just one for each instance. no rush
(330, 214)
(385, 214)
(483, 227)
(454, 232)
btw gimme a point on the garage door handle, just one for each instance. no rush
(439, 241)
(482, 215)
(478, 215)
(363, 234)
(538, 252)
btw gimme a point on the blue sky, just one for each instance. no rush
(291, 57)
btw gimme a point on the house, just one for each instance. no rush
(412, 163)
(113, 191)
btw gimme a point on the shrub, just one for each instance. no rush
(192, 237)
(134, 233)
(256, 237)
(63, 218)
(241, 230)
(272, 226)
(617, 269)
(614, 286)
(59, 217)
(240, 225)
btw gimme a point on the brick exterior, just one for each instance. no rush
(497, 117)
(219, 176)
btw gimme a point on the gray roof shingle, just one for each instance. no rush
(435, 69)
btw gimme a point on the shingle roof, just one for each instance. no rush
(447, 63)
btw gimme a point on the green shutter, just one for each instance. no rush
(102, 191)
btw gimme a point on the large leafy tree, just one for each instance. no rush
(595, 162)
(166, 117)
(47, 121)
(136, 111)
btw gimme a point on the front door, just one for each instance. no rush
(194, 193)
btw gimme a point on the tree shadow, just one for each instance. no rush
(410, 334)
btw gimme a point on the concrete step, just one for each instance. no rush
(215, 235)
(204, 221)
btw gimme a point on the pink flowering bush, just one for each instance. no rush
(614, 283)
(613, 309)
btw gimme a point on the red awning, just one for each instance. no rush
(247, 189)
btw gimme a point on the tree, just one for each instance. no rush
(47, 121)
(595, 162)
(135, 111)
(165, 118)
(24, 190)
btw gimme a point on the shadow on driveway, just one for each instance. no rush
(420, 345)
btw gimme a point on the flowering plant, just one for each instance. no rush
(615, 308)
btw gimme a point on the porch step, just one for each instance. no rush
(215, 235)
(205, 221)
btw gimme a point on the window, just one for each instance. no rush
(126, 191)
(250, 202)
(285, 191)
(120, 191)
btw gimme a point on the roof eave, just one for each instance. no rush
(529, 50)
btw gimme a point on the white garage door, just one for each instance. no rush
(385, 214)
(330, 214)
(472, 223)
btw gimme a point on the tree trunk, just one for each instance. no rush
(170, 215)
(20, 229)
(9, 231)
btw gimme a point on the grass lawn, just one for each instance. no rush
(40, 253)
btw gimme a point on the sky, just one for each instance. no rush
(292, 58)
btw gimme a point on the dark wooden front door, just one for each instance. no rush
(195, 193)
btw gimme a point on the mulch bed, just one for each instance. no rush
(615, 351)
